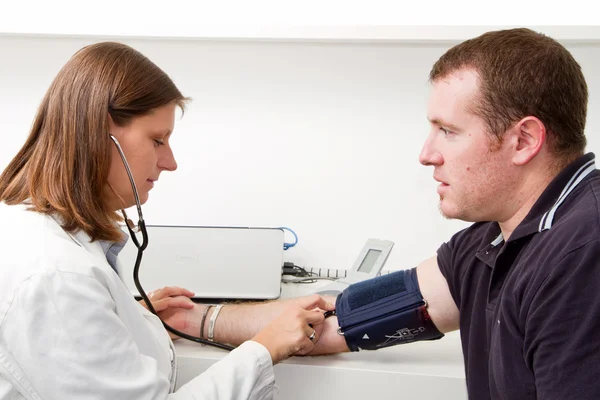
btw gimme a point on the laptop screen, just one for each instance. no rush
(213, 262)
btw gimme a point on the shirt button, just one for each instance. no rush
(172, 356)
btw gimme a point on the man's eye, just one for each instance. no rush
(447, 132)
(158, 142)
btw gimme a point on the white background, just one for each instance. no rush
(319, 137)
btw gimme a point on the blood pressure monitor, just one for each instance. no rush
(368, 264)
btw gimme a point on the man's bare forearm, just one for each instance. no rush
(240, 322)
(237, 323)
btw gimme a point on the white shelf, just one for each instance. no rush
(354, 34)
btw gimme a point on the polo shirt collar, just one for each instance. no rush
(541, 216)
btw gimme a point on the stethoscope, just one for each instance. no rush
(141, 247)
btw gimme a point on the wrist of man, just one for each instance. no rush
(233, 325)
(203, 315)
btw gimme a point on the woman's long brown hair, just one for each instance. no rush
(63, 166)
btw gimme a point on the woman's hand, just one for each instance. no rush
(296, 329)
(167, 300)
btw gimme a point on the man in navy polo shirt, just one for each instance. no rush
(507, 113)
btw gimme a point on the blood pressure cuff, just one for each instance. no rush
(384, 311)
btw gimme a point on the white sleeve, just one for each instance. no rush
(245, 373)
(66, 336)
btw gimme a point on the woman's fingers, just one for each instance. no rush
(169, 291)
(172, 302)
(315, 301)
(312, 335)
(310, 322)
(314, 317)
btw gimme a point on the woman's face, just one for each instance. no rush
(145, 143)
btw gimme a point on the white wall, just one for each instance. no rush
(320, 137)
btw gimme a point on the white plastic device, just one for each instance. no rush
(368, 264)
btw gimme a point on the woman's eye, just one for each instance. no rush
(158, 142)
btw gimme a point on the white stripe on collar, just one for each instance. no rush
(585, 170)
(498, 240)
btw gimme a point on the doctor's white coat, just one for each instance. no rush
(70, 329)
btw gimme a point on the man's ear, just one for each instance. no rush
(528, 137)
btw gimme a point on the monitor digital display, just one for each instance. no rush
(369, 261)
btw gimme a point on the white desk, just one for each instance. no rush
(424, 370)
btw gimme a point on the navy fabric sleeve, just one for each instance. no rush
(561, 343)
(457, 262)
(446, 259)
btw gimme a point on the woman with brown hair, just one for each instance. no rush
(69, 328)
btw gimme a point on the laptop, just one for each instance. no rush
(223, 263)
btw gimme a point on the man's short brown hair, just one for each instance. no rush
(524, 73)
